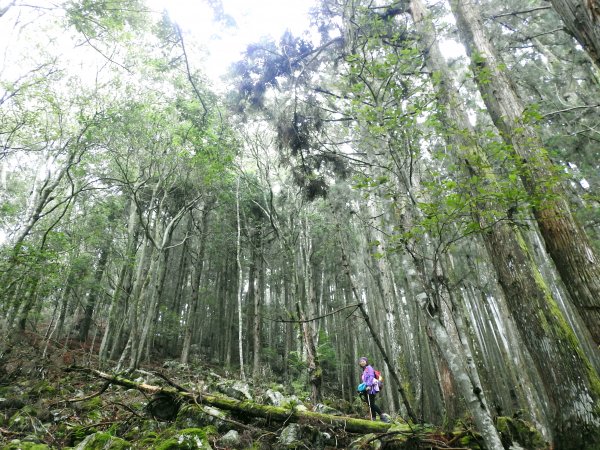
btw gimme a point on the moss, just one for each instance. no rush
(18, 445)
(103, 441)
(79, 433)
(189, 438)
(470, 441)
(517, 430)
(42, 389)
(25, 420)
(91, 404)
(194, 416)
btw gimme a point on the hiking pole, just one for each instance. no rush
(369, 403)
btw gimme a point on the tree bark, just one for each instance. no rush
(90, 306)
(582, 19)
(566, 242)
(122, 287)
(470, 391)
(570, 380)
(384, 355)
(240, 281)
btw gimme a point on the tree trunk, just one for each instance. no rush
(257, 304)
(304, 302)
(384, 355)
(571, 382)
(582, 19)
(90, 305)
(197, 270)
(150, 301)
(566, 242)
(240, 282)
(122, 288)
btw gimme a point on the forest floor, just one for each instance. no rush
(45, 404)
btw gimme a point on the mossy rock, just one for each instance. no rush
(187, 439)
(519, 431)
(25, 420)
(198, 416)
(471, 441)
(78, 433)
(103, 441)
(42, 389)
(19, 445)
(296, 436)
(367, 441)
(11, 402)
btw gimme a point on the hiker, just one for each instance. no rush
(369, 388)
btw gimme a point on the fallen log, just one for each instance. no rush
(250, 409)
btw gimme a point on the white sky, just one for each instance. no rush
(254, 19)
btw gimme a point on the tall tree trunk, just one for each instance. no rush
(150, 301)
(391, 367)
(309, 335)
(471, 392)
(240, 281)
(582, 19)
(90, 305)
(566, 242)
(123, 287)
(572, 384)
(197, 271)
(257, 304)
(130, 321)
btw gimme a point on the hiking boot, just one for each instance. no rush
(385, 418)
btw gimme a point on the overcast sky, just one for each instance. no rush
(253, 20)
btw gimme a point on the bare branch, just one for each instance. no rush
(524, 11)
(313, 319)
(574, 108)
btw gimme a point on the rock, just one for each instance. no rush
(293, 402)
(195, 416)
(175, 365)
(231, 439)
(300, 407)
(296, 436)
(235, 389)
(103, 441)
(365, 442)
(191, 438)
(324, 409)
(16, 444)
(24, 420)
(290, 435)
(274, 398)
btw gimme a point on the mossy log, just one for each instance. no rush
(251, 409)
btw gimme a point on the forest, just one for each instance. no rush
(196, 263)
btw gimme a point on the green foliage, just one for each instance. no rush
(326, 354)
(96, 19)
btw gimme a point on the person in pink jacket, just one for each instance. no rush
(371, 388)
